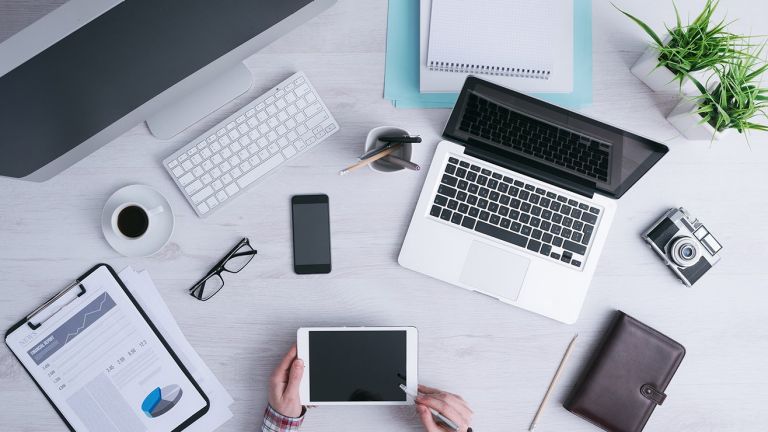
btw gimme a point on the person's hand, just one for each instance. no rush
(447, 404)
(284, 385)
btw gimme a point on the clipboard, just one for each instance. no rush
(101, 363)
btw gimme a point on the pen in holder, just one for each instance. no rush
(399, 158)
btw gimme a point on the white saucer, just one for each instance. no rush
(159, 232)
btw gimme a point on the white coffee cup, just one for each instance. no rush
(132, 220)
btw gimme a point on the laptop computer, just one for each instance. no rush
(519, 199)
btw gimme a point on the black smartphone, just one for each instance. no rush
(311, 234)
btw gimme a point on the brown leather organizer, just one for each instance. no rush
(627, 376)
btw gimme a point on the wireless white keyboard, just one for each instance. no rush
(232, 156)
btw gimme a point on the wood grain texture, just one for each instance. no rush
(498, 357)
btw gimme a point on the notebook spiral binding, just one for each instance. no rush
(489, 70)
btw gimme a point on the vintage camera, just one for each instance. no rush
(685, 244)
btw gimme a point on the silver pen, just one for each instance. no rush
(439, 417)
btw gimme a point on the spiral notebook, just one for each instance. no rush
(523, 44)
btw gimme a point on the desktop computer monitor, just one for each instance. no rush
(79, 77)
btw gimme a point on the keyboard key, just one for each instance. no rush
(259, 171)
(194, 187)
(547, 238)
(447, 191)
(558, 241)
(589, 218)
(186, 179)
(453, 204)
(446, 214)
(495, 219)
(574, 247)
(450, 169)
(594, 210)
(203, 208)
(474, 211)
(202, 195)
(484, 215)
(449, 180)
(501, 234)
(468, 222)
(435, 211)
(517, 226)
(288, 152)
(441, 200)
(545, 249)
(526, 230)
(463, 208)
(533, 245)
(456, 218)
(461, 196)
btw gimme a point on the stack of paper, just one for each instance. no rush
(404, 62)
(144, 291)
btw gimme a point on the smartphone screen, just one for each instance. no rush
(311, 234)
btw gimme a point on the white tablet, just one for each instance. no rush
(358, 365)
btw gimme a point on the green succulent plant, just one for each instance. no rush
(738, 98)
(700, 45)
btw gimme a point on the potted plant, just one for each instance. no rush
(735, 101)
(686, 51)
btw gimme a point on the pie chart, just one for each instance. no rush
(161, 400)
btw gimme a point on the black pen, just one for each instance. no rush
(400, 139)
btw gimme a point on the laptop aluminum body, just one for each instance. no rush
(546, 284)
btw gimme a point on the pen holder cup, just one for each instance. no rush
(372, 141)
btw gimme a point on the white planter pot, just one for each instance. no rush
(662, 80)
(686, 120)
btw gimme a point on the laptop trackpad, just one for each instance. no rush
(494, 271)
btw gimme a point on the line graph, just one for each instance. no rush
(72, 328)
(101, 299)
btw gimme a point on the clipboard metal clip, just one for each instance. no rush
(53, 300)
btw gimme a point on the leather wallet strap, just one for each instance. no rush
(652, 393)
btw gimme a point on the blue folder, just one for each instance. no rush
(401, 74)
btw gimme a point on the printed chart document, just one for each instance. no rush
(103, 367)
(142, 287)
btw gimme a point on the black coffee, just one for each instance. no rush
(132, 221)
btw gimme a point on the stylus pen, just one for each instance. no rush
(439, 417)
(401, 139)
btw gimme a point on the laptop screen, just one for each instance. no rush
(548, 142)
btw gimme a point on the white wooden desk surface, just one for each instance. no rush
(498, 357)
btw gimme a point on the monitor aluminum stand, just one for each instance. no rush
(187, 110)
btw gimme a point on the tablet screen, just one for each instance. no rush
(357, 366)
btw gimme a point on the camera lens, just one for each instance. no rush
(684, 251)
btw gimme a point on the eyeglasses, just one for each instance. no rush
(234, 261)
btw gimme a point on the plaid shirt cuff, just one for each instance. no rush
(276, 422)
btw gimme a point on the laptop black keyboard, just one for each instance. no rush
(562, 147)
(509, 209)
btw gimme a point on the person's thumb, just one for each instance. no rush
(426, 419)
(294, 377)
